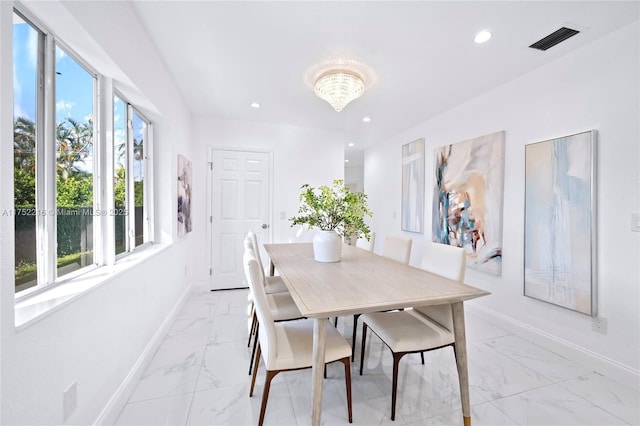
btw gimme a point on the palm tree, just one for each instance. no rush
(24, 143)
(74, 142)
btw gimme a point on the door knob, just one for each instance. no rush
(265, 226)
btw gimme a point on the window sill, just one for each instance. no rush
(32, 309)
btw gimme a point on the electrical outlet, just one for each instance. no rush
(599, 324)
(70, 400)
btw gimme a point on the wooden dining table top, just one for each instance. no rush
(360, 282)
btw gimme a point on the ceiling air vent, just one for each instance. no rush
(554, 38)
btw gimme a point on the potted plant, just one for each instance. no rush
(337, 212)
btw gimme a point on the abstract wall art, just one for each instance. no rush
(559, 243)
(184, 195)
(467, 199)
(413, 186)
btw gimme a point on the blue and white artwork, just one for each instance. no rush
(413, 186)
(559, 222)
(467, 199)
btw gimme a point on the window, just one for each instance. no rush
(59, 229)
(130, 131)
(27, 43)
(74, 95)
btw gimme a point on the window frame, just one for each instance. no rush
(103, 165)
(147, 220)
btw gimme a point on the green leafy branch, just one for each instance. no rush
(334, 208)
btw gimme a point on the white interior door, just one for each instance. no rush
(239, 202)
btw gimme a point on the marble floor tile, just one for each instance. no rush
(495, 376)
(485, 414)
(199, 376)
(554, 406)
(169, 410)
(231, 405)
(479, 330)
(200, 305)
(611, 396)
(174, 370)
(224, 364)
(548, 364)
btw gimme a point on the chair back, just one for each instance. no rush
(267, 330)
(367, 245)
(397, 248)
(445, 260)
(256, 248)
(449, 262)
(249, 246)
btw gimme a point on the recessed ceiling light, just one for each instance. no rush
(366, 119)
(482, 36)
(352, 144)
(346, 161)
(255, 105)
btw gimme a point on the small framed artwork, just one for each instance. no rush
(184, 195)
(413, 186)
(560, 222)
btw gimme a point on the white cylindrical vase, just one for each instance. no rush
(327, 246)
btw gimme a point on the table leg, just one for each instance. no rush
(461, 359)
(319, 338)
(272, 269)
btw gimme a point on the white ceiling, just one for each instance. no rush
(225, 55)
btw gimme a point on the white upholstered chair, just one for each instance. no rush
(288, 345)
(281, 305)
(396, 248)
(422, 328)
(272, 284)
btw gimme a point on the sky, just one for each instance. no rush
(74, 87)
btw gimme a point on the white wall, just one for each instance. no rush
(300, 155)
(596, 87)
(97, 338)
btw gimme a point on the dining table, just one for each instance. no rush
(364, 282)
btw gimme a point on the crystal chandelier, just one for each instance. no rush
(339, 87)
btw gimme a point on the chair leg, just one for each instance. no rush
(255, 370)
(353, 337)
(254, 320)
(265, 394)
(347, 379)
(394, 390)
(422, 357)
(394, 387)
(255, 344)
(335, 322)
(364, 339)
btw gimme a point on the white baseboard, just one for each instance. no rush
(114, 407)
(601, 364)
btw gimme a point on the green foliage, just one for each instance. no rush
(333, 209)
(76, 190)
(120, 187)
(25, 187)
(138, 191)
(26, 272)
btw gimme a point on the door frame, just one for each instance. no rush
(210, 156)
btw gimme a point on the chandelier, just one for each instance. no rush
(339, 87)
